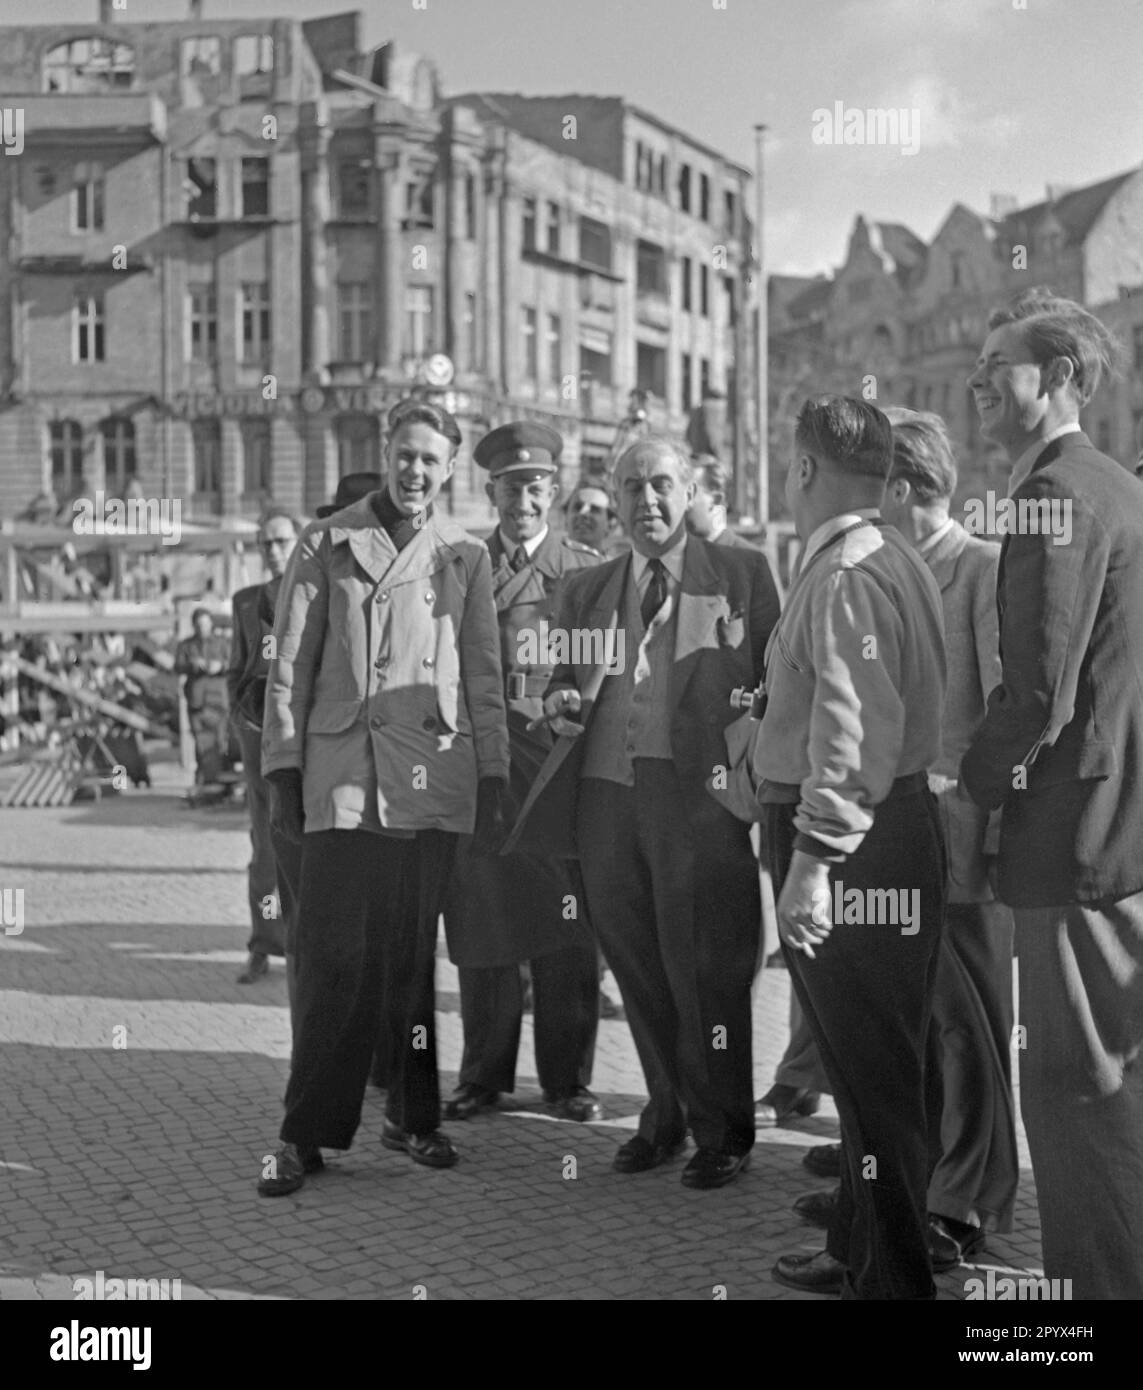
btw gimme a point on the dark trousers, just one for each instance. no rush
(267, 932)
(972, 1116)
(1081, 1089)
(672, 890)
(565, 1018)
(867, 996)
(800, 1065)
(210, 726)
(366, 950)
(288, 862)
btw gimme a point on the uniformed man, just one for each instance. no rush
(503, 911)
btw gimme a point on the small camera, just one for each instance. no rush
(746, 700)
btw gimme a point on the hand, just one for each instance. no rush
(214, 668)
(491, 830)
(287, 813)
(805, 911)
(557, 707)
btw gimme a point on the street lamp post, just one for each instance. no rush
(762, 356)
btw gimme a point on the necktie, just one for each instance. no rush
(519, 558)
(656, 594)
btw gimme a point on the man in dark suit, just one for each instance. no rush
(1061, 750)
(253, 611)
(670, 878)
(505, 911)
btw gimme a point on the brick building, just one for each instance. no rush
(912, 316)
(228, 246)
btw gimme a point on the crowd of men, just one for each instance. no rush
(942, 758)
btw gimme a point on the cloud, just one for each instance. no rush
(924, 18)
(949, 119)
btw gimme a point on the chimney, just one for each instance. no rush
(194, 9)
(106, 13)
(1000, 205)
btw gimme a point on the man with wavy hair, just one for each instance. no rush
(1061, 750)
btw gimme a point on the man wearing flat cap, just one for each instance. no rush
(504, 911)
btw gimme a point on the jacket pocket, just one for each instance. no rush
(448, 705)
(1093, 760)
(332, 716)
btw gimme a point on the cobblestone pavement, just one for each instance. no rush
(141, 1086)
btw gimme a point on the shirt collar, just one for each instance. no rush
(1022, 469)
(934, 539)
(825, 533)
(530, 547)
(672, 561)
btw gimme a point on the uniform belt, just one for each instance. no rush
(521, 686)
(790, 793)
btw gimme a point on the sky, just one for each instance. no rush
(1010, 95)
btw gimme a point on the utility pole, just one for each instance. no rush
(762, 356)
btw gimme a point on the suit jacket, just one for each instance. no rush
(246, 675)
(1061, 747)
(503, 911)
(965, 570)
(202, 691)
(727, 606)
(389, 658)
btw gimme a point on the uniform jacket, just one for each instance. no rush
(727, 606)
(505, 910)
(1061, 747)
(202, 690)
(965, 570)
(391, 657)
(246, 675)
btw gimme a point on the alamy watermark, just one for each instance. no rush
(1019, 516)
(76, 1343)
(12, 911)
(577, 646)
(1005, 1286)
(877, 125)
(137, 516)
(100, 1289)
(838, 905)
(12, 129)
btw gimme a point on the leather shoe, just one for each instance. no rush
(780, 1103)
(577, 1104)
(714, 1168)
(469, 1100)
(639, 1155)
(824, 1160)
(291, 1164)
(433, 1150)
(257, 966)
(819, 1273)
(818, 1207)
(951, 1242)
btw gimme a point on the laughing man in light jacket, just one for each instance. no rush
(385, 738)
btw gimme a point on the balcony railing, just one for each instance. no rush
(58, 118)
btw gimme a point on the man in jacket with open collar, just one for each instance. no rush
(1061, 751)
